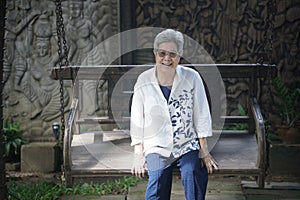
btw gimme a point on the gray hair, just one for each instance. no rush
(169, 35)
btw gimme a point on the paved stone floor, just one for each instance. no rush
(219, 188)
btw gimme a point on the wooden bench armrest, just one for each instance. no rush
(261, 139)
(67, 159)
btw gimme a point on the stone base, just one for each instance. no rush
(42, 157)
(284, 159)
(12, 166)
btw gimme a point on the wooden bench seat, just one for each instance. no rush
(235, 154)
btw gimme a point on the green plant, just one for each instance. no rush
(270, 134)
(12, 136)
(84, 128)
(50, 190)
(239, 126)
(288, 101)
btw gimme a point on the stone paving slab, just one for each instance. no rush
(218, 189)
(272, 191)
(271, 194)
(273, 185)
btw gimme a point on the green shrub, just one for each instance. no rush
(288, 101)
(12, 137)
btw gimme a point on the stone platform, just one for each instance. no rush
(42, 157)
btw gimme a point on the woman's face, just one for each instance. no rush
(167, 56)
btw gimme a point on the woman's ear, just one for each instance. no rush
(154, 52)
(180, 54)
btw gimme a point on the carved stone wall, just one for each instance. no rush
(231, 31)
(234, 32)
(30, 95)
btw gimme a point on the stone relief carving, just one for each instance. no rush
(82, 36)
(14, 56)
(37, 86)
(232, 32)
(31, 96)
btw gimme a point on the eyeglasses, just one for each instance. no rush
(162, 53)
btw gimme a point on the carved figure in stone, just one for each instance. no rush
(82, 36)
(99, 12)
(227, 27)
(236, 90)
(210, 41)
(242, 51)
(80, 32)
(16, 51)
(256, 22)
(37, 85)
(287, 67)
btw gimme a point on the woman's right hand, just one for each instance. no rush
(139, 163)
(138, 168)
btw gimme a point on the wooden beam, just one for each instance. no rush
(226, 70)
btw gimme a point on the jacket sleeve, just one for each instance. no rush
(137, 117)
(201, 111)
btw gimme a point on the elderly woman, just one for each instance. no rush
(170, 120)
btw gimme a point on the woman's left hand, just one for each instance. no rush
(210, 163)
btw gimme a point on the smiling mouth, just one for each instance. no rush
(168, 65)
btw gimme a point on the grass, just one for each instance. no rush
(53, 191)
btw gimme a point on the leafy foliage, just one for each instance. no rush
(12, 136)
(239, 126)
(49, 190)
(242, 112)
(270, 134)
(288, 97)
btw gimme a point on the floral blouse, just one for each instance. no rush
(172, 125)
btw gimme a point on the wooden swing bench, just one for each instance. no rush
(238, 152)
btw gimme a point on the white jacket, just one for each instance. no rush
(174, 126)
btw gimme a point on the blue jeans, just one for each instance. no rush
(194, 177)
